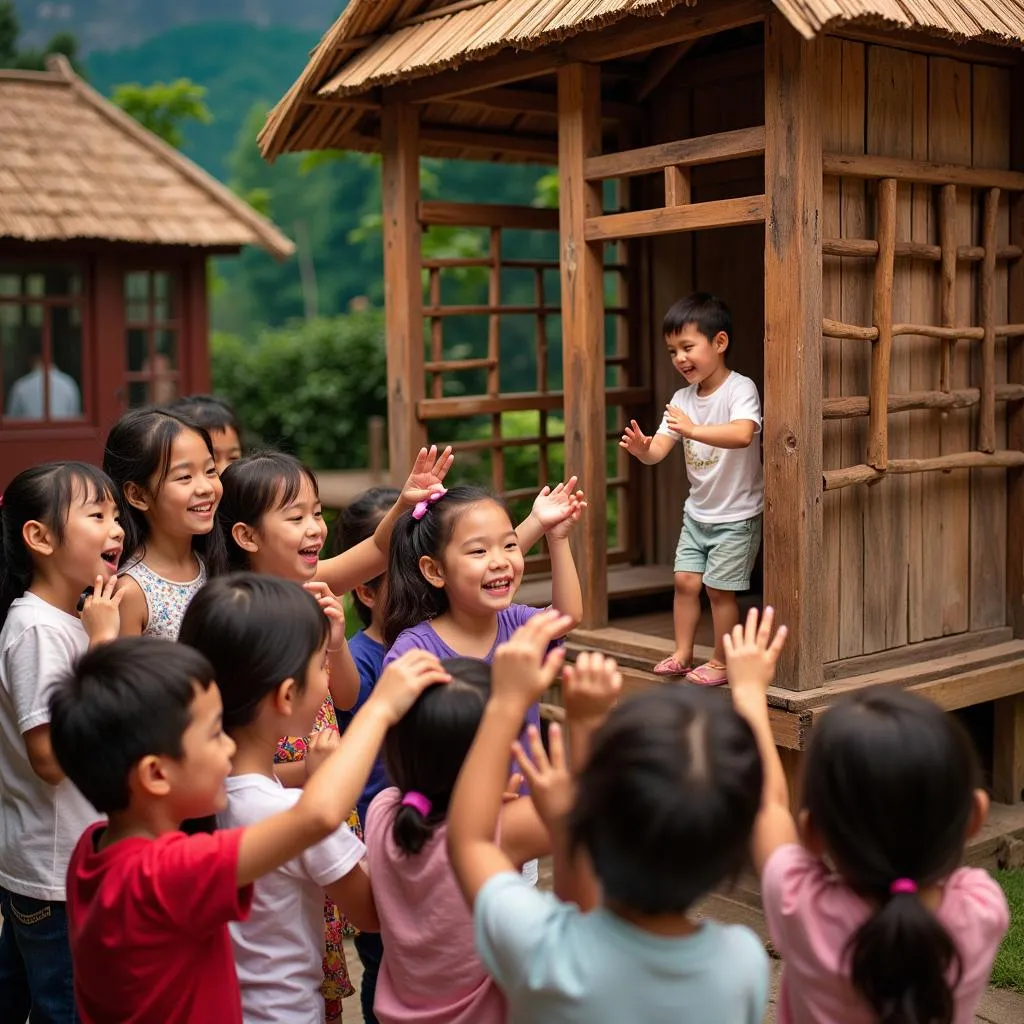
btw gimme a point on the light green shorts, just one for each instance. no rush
(723, 553)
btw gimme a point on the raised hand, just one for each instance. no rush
(751, 652)
(635, 441)
(319, 747)
(524, 667)
(332, 607)
(551, 786)
(404, 680)
(556, 509)
(590, 688)
(678, 421)
(101, 612)
(427, 475)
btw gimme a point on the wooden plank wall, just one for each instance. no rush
(920, 556)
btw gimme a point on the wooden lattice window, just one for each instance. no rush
(986, 186)
(152, 312)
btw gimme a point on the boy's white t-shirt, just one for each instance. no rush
(279, 948)
(39, 823)
(726, 484)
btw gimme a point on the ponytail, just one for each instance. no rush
(412, 828)
(900, 962)
(410, 598)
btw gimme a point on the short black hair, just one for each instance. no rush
(358, 522)
(208, 411)
(667, 802)
(123, 701)
(707, 312)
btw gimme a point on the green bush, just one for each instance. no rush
(308, 388)
(1008, 970)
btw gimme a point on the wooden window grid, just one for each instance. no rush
(883, 333)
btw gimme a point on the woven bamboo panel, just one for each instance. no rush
(74, 166)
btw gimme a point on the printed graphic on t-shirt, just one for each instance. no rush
(700, 456)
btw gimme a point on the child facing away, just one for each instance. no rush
(716, 416)
(662, 810)
(138, 729)
(431, 972)
(218, 419)
(163, 468)
(266, 639)
(60, 535)
(898, 931)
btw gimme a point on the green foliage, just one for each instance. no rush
(309, 388)
(1008, 971)
(14, 56)
(546, 194)
(163, 107)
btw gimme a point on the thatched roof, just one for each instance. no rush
(74, 166)
(377, 43)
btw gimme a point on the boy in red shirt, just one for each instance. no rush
(137, 728)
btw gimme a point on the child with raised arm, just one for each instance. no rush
(662, 809)
(717, 416)
(897, 930)
(137, 728)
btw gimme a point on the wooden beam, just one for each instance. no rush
(1015, 375)
(719, 213)
(921, 172)
(403, 297)
(542, 149)
(947, 301)
(919, 42)
(881, 351)
(486, 215)
(705, 149)
(629, 36)
(987, 302)
(1008, 750)
(546, 401)
(834, 479)
(850, 406)
(793, 349)
(661, 64)
(534, 101)
(582, 276)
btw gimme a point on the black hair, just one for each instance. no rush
(253, 486)
(889, 785)
(356, 523)
(138, 449)
(209, 411)
(257, 631)
(667, 801)
(43, 493)
(708, 313)
(410, 598)
(424, 751)
(123, 701)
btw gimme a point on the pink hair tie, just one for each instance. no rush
(421, 506)
(418, 802)
(903, 885)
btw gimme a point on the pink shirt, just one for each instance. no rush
(811, 915)
(431, 973)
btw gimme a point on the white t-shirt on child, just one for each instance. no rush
(39, 823)
(279, 948)
(726, 484)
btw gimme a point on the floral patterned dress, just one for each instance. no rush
(336, 985)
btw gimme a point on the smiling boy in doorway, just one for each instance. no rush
(716, 416)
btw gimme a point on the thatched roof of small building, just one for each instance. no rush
(75, 166)
(379, 43)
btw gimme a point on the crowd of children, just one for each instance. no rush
(204, 785)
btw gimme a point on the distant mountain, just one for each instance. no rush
(113, 24)
(240, 65)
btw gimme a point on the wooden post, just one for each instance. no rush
(403, 293)
(1015, 375)
(582, 274)
(1008, 750)
(794, 584)
(881, 352)
(947, 239)
(987, 412)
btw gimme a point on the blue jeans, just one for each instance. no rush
(35, 962)
(371, 950)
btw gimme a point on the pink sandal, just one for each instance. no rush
(671, 666)
(708, 675)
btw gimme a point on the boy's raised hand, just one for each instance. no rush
(677, 420)
(404, 680)
(590, 688)
(101, 612)
(635, 441)
(551, 785)
(427, 475)
(751, 652)
(524, 667)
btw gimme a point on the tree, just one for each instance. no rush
(164, 107)
(11, 56)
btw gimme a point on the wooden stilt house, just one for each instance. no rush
(850, 176)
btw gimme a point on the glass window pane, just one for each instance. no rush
(166, 350)
(10, 282)
(164, 308)
(37, 280)
(138, 349)
(66, 371)
(21, 344)
(136, 297)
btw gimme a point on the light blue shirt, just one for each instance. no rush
(557, 965)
